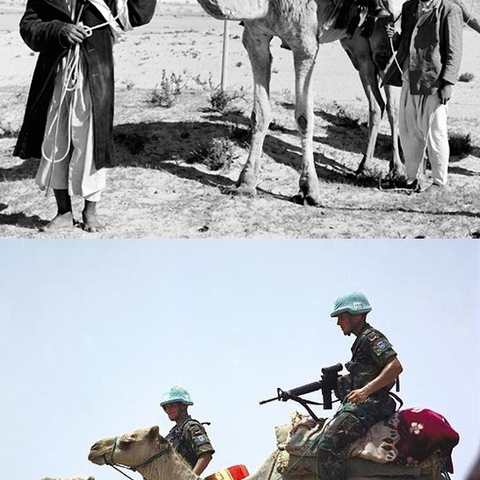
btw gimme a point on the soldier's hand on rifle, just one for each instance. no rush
(358, 396)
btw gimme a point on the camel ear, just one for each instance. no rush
(154, 432)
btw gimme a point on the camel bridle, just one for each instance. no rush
(118, 466)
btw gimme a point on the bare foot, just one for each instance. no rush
(60, 221)
(91, 223)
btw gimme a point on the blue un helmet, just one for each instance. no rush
(176, 394)
(351, 302)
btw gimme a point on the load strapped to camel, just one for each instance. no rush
(237, 472)
(411, 442)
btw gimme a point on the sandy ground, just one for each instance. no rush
(182, 40)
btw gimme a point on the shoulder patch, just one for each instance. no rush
(200, 439)
(380, 346)
(372, 336)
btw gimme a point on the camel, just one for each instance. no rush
(69, 478)
(147, 452)
(370, 56)
(471, 13)
(303, 25)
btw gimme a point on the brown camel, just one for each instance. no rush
(303, 25)
(147, 452)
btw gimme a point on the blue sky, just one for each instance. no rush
(95, 331)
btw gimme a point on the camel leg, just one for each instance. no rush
(359, 51)
(257, 44)
(382, 51)
(397, 168)
(304, 64)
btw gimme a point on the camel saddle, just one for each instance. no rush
(413, 441)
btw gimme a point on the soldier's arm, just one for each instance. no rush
(202, 463)
(201, 446)
(387, 376)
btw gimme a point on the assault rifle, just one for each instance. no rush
(326, 384)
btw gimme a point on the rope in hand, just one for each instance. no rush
(70, 83)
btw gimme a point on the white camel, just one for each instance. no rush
(304, 25)
(147, 452)
(69, 478)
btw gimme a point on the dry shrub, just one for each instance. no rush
(343, 118)
(460, 144)
(8, 128)
(466, 77)
(222, 100)
(170, 88)
(216, 154)
(240, 135)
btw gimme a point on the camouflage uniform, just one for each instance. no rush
(190, 440)
(370, 353)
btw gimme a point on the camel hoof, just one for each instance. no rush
(299, 199)
(241, 191)
(362, 168)
(365, 171)
(398, 173)
(302, 199)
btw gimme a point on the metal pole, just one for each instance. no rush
(225, 55)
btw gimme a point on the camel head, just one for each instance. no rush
(134, 449)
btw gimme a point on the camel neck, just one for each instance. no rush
(168, 467)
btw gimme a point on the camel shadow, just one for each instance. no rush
(475, 152)
(289, 154)
(462, 171)
(21, 220)
(167, 146)
(342, 133)
(158, 145)
(173, 147)
(24, 170)
(348, 134)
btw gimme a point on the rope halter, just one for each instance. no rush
(117, 466)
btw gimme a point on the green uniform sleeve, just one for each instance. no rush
(196, 434)
(381, 349)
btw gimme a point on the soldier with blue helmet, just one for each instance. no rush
(188, 436)
(364, 393)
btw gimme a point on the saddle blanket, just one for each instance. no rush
(410, 437)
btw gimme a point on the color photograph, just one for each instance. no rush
(101, 337)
